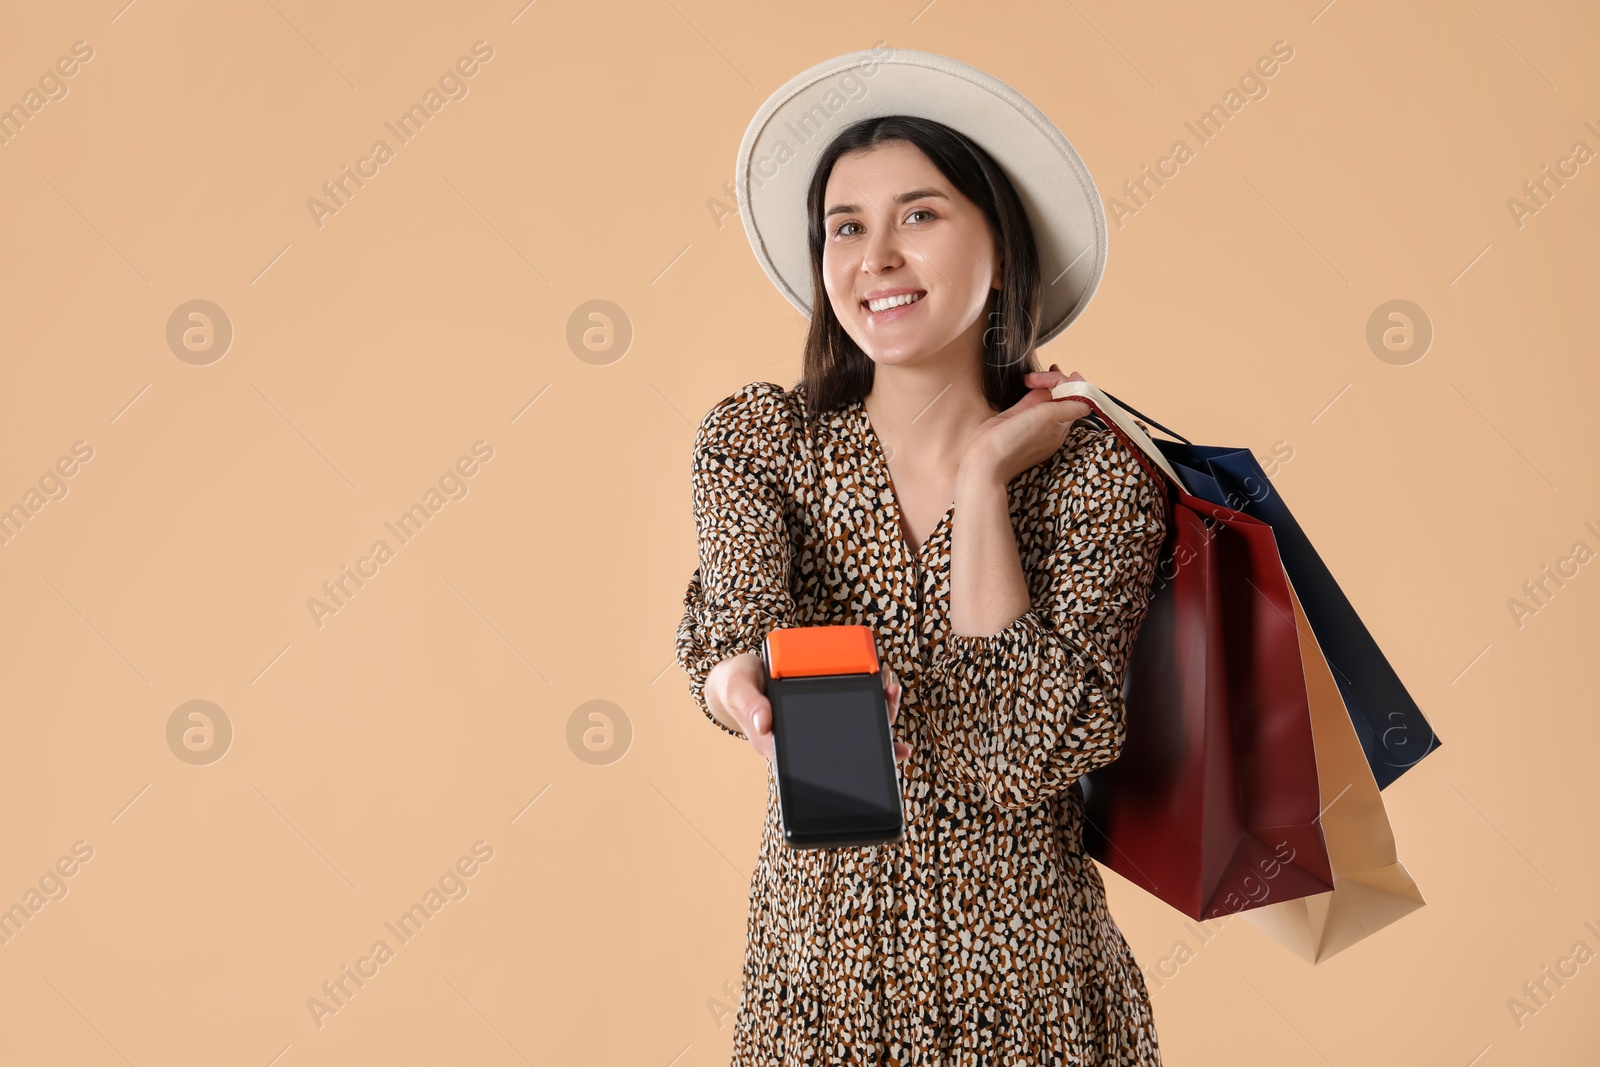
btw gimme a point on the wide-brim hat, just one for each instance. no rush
(780, 148)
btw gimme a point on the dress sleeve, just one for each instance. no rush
(1025, 712)
(740, 481)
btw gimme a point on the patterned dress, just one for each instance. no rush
(981, 937)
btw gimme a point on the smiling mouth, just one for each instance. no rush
(893, 303)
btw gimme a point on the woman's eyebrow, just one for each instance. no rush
(903, 198)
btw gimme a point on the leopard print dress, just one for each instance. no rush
(981, 937)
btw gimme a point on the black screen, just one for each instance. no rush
(836, 757)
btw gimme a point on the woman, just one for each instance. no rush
(920, 479)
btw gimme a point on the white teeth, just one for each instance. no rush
(894, 301)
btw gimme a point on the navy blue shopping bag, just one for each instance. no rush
(1393, 732)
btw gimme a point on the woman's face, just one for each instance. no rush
(879, 238)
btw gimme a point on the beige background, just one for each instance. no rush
(590, 160)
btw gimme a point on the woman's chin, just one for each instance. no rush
(916, 347)
(895, 359)
(893, 355)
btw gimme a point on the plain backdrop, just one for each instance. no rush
(502, 682)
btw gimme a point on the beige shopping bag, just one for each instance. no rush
(1371, 888)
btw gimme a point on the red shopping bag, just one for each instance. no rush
(1212, 804)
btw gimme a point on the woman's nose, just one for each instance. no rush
(883, 251)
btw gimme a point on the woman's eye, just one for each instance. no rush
(839, 231)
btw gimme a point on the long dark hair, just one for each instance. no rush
(836, 371)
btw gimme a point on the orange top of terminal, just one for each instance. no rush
(813, 650)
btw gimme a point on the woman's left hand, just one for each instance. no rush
(892, 689)
(1028, 432)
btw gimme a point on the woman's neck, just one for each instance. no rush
(930, 414)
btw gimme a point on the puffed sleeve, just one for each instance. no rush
(740, 481)
(1026, 711)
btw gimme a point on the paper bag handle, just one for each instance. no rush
(1124, 422)
(1130, 409)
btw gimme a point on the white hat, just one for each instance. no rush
(780, 148)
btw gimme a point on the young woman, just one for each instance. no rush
(920, 479)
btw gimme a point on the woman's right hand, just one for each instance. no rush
(738, 685)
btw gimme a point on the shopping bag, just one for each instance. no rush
(1371, 888)
(1212, 804)
(1394, 734)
